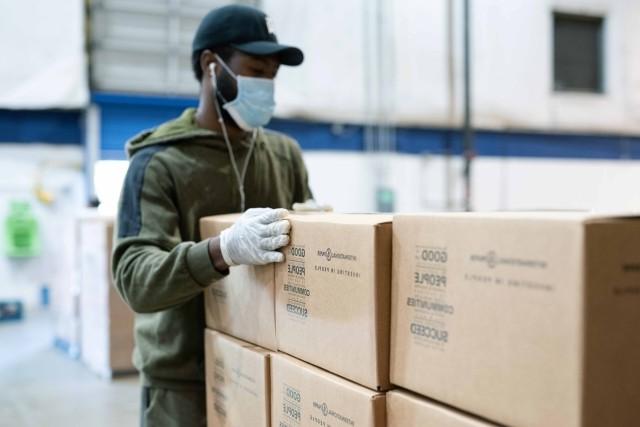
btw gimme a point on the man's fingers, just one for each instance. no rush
(250, 213)
(277, 228)
(270, 257)
(272, 230)
(273, 243)
(273, 215)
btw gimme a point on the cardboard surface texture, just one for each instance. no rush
(243, 303)
(237, 381)
(303, 395)
(333, 295)
(408, 410)
(527, 319)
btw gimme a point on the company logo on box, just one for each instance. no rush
(326, 411)
(493, 260)
(329, 254)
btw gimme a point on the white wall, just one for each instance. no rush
(512, 64)
(420, 183)
(513, 78)
(512, 88)
(346, 180)
(45, 65)
(525, 184)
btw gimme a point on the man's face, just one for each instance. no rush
(241, 64)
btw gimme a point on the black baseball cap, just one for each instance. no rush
(246, 29)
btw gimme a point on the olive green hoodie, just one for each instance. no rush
(179, 173)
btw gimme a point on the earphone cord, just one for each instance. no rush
(240, 176)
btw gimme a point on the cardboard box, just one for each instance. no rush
(65, 287)
(333, 295)
(528, 319)
(405, 409)
(303, 395)
(243, 303)
(107, 322)
(237, 381)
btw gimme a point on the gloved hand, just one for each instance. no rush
(255, 237)
(311, 206)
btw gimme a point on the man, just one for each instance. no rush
(213, 160)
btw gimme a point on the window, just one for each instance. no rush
(578, 53)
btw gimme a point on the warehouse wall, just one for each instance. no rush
(512, 64)
(513, 78)
(401, 61)
(434, 182)
(58, 171)
(421, 42)
(346, 180)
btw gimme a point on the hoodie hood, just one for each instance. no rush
(181, 129)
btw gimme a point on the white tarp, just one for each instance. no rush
(43, 61)
(365, 60)
(330, 84)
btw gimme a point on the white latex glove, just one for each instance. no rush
(255, 237)
(311, 206)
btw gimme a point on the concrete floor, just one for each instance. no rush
(42, 386)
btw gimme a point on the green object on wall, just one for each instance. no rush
(22, 238)
(385, 199)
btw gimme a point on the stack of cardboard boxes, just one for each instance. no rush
(322, 319)
(106, 321)
(522, 319)
(65, 289)
(528, 319)
(92, 322)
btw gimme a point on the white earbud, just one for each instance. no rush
(212, 73)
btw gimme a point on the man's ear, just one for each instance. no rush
(207, 58)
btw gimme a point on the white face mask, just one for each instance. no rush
(254, 105)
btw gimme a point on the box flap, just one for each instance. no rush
(349, 219)
(234, 342)
(576, 216)
(227, 219)
(287, 362)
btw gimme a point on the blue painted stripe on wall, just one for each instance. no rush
(125, 115)
(104, 98)
(41, 126)
(121, 122)
(321, 136)
(521, 144)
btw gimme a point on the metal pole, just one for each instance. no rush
(468, 142)
(451, 72)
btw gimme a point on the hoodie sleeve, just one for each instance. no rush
(301, 191)
(153, 268)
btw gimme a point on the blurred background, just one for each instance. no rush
(394, 111)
